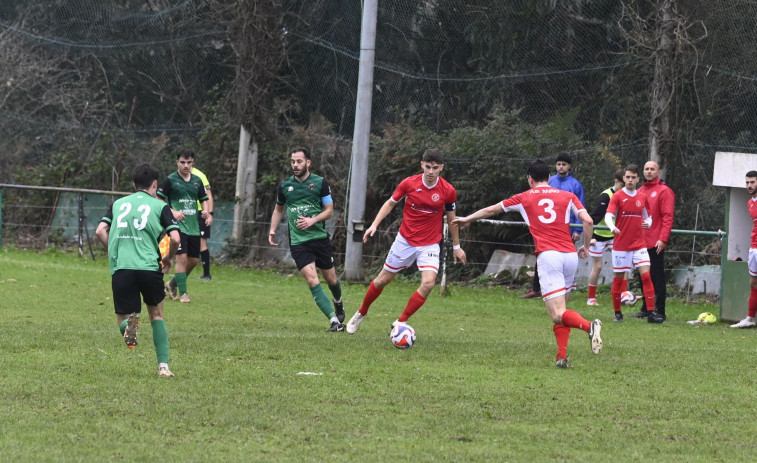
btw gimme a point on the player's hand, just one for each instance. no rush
(644, 224)
(661, 246)
(303, 223)
(583, 253)
(459, 255)
(166, 267)
(178, 215)
(369, 233)
(208, 220)
(461, 222)
(271, 236)
(575, 237)
(615, 231)
(593, 242)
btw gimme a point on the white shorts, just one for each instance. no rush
(599, 247)
(402, 255)
(557, 273)
(625, 261)
(752, 262)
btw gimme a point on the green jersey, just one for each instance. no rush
(304, 199)
(133, 238)
(182, 195)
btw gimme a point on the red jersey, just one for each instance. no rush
(662, 208)
(425, 208)
(546, 211)
(629, 211)
(753, 213)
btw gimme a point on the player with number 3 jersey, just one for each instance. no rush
(546, 211)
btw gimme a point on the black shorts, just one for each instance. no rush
(127, 285)
(318, 251)
(189, 245)
(204, 229)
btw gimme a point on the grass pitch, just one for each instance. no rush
(259, 379)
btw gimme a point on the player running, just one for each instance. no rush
(546, 211)
(428, 199)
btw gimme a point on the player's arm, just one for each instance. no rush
(454, 229)
(610, 214)
(304, 223)
(600, 209)
(386, 208)
(667, 210)
(484, 213)
(103, 228)
(646, 221)
(588, 225)
(102, 233)
(278, 213)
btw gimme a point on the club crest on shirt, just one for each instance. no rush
(311, 186)
(435, 197)
(638, 203)
(654, 194)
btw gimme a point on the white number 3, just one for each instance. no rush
(549, 211)
(138, 224)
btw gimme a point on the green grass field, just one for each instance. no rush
(479, 385)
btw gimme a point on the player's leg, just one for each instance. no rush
(657, 273)
(204, 251)
(304, 256)
(151, 286)
(400, 256)
(750, 321)
(595, 252)
(622, 262)
(178, 284)
(427, 260)
(325, 262)
(127, 303)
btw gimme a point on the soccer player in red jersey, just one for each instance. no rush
(546, 211)
(751, 188)
(627, 217)
(428, 199)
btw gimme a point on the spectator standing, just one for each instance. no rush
(562, 180)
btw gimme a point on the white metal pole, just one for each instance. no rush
(353, 262)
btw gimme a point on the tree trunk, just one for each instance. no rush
(662, 85)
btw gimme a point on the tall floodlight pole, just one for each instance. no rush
(353, 261)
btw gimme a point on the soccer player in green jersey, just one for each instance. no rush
(181, 190)
(306, 197)
(135, 263)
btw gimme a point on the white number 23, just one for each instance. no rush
(140, 223)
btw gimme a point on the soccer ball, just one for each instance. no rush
(707, 317)
(402, 336)
(627, 298)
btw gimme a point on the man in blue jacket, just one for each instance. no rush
(562, 180)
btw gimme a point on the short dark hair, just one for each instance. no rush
(185, 153)
(619, 175)
(304, 150)
(752, 174)
(433, 155)
(564, 157)
(538, 170)
(631, 168)
(144, 175)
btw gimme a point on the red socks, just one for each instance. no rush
(617, 288)
(592, 291)
(753, 302)
(648, 289)
(371, 295)
(415, 303)
(573, 319)
(562, 333)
